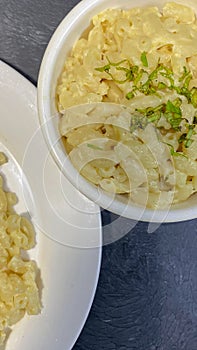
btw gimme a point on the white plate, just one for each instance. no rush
(68, 226)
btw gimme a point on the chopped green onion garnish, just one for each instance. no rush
(153, 85)
(194, 96)
(188, 141)
(129, 95)
(144, 59)
(105, 68)
(172, 107)
(116, 64)
(154, 117)
(162, 86)
(173, 152)
(90, 145)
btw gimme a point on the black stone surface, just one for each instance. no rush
(147, 292)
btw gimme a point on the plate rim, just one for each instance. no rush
(31, 90)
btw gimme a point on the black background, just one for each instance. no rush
(147, 292)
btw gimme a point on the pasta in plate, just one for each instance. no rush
(18, 289)
(139, 67)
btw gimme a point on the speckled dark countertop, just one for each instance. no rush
(147, 292)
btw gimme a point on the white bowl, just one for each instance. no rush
(59, 46)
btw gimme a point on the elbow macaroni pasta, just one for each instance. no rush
(98, 137)
(18, 290)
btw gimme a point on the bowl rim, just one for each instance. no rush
(89, 190)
